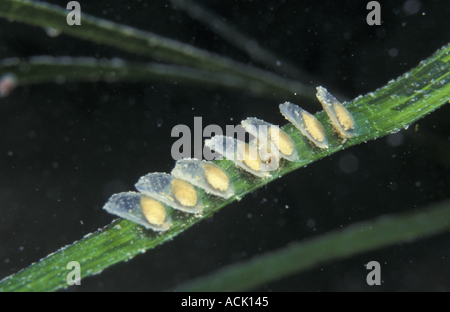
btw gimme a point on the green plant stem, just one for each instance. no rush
(44, 69)
(387, 110)
(218, 25)
(356, 239)
(146, 43)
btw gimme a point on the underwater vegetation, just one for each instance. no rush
(68, 146)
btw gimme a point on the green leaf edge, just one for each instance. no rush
(133, 40)
(355, 239)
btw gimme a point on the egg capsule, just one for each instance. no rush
(171, 191)
(269, 134)
(206, 175)
(341, 119)
(242, 154)
(308, 125)
(267, 152)
(139, 208)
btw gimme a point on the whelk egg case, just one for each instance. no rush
(340, 117)
(206, 175)
(173, 192)
(268, 133)
(139, 208)
(308, 125)
(243, 155)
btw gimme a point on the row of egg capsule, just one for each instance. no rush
(159, 191)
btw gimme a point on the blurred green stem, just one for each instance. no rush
(355, 239)
(146, 43)
(44, 69)
(218, 25)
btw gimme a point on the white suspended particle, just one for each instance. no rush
(308, 125)
(139, 208)
(242, 154)
(269, 134)
(7, 83)
(341, 119)
(206, 175)
(173, 192)
(53, 32)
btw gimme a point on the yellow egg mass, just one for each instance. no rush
(216, 177)
(184, 193)
(345, 119)
(153, 210)
(314, 127)
(254, 164)
(283, 142)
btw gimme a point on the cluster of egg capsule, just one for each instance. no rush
(159, 191)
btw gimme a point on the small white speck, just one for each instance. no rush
(393, 52)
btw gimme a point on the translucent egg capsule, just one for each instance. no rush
(173, 192)
(267, 152)
(206, 175)
(243, 155)
(341, 119)
(269, 135)
(139, 208)
(308, 125)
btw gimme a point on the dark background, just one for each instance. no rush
(64, 149)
